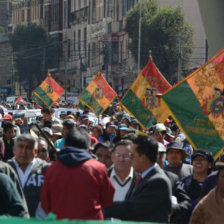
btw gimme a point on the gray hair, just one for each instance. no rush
(27, 138)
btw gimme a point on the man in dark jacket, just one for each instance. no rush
(150, 200)
(76, 186)
(11, 202)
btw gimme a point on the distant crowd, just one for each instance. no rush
(113, 168)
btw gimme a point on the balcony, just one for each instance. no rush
(79, 16)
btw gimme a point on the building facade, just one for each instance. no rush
(108, 45)
(5, 50)
(95, 38)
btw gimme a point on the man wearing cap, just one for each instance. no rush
(159, 133)
(210, 209)
(181, 203)
(84, 120)
(181, 138)
(175, 156)
(122, 131)
(109, 133)
(63, 115)
(202, 161)
(68, 124)
(8, 118)
(57, 132)
(150, 199)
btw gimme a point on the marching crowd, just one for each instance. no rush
(114, 169)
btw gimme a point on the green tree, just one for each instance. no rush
(164, 31)
(33, 54)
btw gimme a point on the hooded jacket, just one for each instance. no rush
(76, 186)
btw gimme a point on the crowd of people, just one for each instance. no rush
(113, 169)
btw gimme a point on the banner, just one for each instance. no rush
(98, 95)
(49, 91)
(142, 99)
(51, 220)
(197, 105)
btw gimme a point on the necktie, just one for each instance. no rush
(137, 181)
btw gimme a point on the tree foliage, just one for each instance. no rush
(33, 53)
(164, 31)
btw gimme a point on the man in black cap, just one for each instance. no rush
(210, 208)
(84, 120)
(202, 161)
(175, 156)
(109, 133)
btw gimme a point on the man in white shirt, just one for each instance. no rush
(122, 174)
(29, 169)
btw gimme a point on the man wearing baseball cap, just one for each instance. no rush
(202, 161)
(109, 133)
(175, 156)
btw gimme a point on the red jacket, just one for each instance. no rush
(77, 192)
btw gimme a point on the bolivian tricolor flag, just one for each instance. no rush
(197, 104)
(142, 99)
(49, 91)
(98, 95)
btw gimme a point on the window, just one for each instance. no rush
(109, 28)
(79, 41)
(85, 41)
(109, 8)
(118, 11)
(93, 54)
(104, 9)
(28, 15)
(94, 11)
(74, 42)
(23, 15)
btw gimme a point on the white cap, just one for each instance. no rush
(160, 127)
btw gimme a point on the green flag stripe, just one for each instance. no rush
(187, 109)
(87, 98)
(44, 96)
(37, 99)
(134, 106)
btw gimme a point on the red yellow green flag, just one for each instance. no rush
(49, 91)
(142, 99)
(20, 99)
(98, 95)
(197, 105)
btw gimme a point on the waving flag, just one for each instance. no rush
(197, 104)
(49, 91)
(20, 99)
(98, 95)
(142, 99)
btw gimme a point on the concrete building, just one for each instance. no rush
(50, 15)
(5, 50)
(78, 45)
(108, 45)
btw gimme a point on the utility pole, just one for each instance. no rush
(66, 47)
(139, 34)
